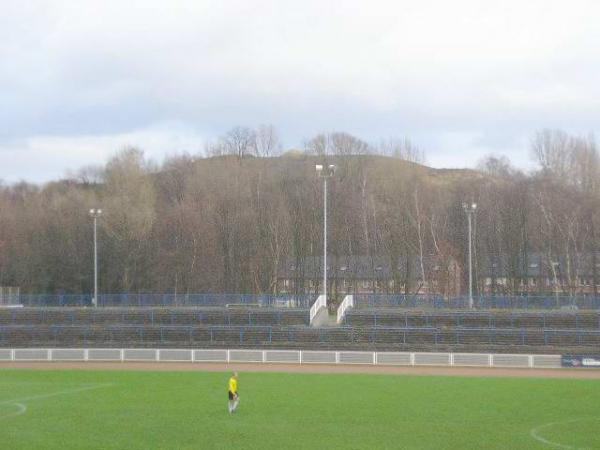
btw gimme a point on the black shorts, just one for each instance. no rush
(231, 395)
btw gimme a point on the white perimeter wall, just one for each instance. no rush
(282, 356)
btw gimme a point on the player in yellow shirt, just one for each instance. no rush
(234, 398)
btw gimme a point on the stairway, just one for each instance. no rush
(325, 320)
(320, 316)
(331, 322)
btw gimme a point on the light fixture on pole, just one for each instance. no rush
(470, 210)
(555, 266)
(325, 173)
(95, 213)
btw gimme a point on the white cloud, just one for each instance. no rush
(430, 69)
(46, 158)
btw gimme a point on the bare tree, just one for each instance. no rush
(240, 141)
(551, 149)
(318, 145)
(585, 164)
(89, 175)
(498, 166)
(402, 148)
(129, 212)
(266, 141)
(214, 225)
(346, 144)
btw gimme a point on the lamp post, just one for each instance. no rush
(325, 173)
(95, 213)
(555, 265)
(470, 210)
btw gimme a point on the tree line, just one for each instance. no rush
(226, 220)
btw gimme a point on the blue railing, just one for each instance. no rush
(305, 301)
(152, 316)
(482, 302)
(475, 319)
(188, 335)
(144, 300)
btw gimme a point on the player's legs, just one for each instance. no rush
(236, 402)
(230, 406)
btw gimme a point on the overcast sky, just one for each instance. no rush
(82, 79)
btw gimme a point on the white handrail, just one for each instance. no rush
(321, 302)
(345, 305)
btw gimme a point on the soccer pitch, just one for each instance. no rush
(188, 410)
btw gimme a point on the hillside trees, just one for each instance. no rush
(128, 199)
(228, 223)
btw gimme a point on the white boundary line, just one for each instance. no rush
(535, 433)
(22, 409)
(54, 394)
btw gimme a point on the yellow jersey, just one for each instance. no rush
(233, 385)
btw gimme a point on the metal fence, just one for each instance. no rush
(305, 301)
(481, 302)
(141, 300)
(588, 320)
(154, 316)
(9, 295)
(145, 335)
(280, 356)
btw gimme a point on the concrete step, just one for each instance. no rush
(330, 322)
(325, 320)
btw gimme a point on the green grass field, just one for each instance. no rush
(188, 410)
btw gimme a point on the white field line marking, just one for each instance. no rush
(21, 409)
(53, 394)
(8, 384)
(535, 433)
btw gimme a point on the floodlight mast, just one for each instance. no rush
(470, 210)
(555, 265)
(325, 173)
(95, 213)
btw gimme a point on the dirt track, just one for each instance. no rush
(311, 368)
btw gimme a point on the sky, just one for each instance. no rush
(80, 80)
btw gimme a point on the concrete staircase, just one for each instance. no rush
(325, 320)
(321, 319)
(331, 322)
(319, 313)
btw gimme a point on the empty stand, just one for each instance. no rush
(386, 329)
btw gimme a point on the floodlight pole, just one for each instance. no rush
(555, 264)
(95, 213)
(325, 173)
(470, 210)
(325, 237)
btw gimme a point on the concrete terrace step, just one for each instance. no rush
(331, 322)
